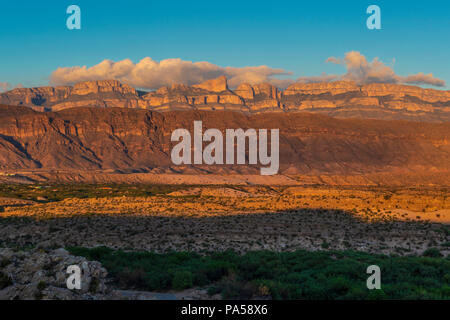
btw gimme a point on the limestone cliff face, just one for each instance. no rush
(136, 140)
(210, 92)
(35, 97)
(245, 91)
(333, 88)
(214, 85)
(260, 97)
(378, 101)
(343, 99)
(107, 93)
(94, 87)
(400, 91)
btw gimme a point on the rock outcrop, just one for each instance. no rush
(214, 85)
(41, 274)
(94, 87)
(211, 92)
(344, 99)
(333, 88)
(400, 91)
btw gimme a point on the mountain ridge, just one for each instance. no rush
(138, 141)
(341, 99)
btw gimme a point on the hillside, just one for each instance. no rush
(138, 141)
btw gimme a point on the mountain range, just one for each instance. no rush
(101, 130)
(340, 99)
(124, 140)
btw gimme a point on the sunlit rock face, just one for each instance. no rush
(341, 99)
(92, 139)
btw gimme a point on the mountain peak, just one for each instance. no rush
(214, 85)
(97, 86)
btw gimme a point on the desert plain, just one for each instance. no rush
(219, 217)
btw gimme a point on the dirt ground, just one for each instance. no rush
(243, 218)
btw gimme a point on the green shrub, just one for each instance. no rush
(233, 289)
(157, 281)
(132, 278)
(340, 286)
(446, 292)
(433, 253)
(286, 275)
(377, 294)
(325, 245)
(182, 280)
(214, 289)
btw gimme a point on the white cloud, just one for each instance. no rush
(362, 71)
(150, 74)
(422, 78)
(4, 86)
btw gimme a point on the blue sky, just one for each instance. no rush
(296, 36)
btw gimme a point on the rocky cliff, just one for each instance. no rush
(131, 140)
(340, 99)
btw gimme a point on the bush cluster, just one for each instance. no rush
(285, 275)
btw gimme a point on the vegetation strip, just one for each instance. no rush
(285, 275)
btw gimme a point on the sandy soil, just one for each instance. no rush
(242, 218)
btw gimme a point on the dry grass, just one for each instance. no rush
(241, 218)
(375, 204)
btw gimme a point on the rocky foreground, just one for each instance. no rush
(41, 274)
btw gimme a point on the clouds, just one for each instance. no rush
(4, 86)
(362, 72)
(422, 78)
(150, 74)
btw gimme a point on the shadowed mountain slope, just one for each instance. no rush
(132, 140)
